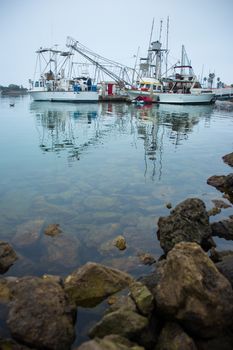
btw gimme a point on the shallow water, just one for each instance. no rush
(100, 170)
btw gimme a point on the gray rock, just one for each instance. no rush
(7, 256)
(92, 283)
(226, 267)
(187, 222)
(193, 292)
(173, 337)
(39, 314)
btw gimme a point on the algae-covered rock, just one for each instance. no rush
(92, 283)
(120, 242)
(142, 297)
(187, 222)
(192, 291)
(7, 256)
(110, 342)
(122, 322)
(40, 315)
(173, 337)
(52, 230)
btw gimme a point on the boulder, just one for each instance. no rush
(120, 242)
(187, 222)
(122, 322)
(110, 342)
(228, 158)
(226, 267)
(223, 183)
(173, 337)
(142, 297)
(7, 256)
(92, 283)
(223, 229)
(40, 315)
(8, 344)
(192, 291)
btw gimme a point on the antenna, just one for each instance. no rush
(151, 33)
(160, 30)
(167, 44)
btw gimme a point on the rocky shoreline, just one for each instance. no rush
(185, 303)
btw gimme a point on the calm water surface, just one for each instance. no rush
(101, 170)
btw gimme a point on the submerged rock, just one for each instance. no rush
(219, 203)
(192, 291)
(92, 283)
(173, 337)
(7, 256)
(146, 258)
(110, 342)
(187, 222)
(28, 233)
(39, 314)
(52, 230)
(228, 158)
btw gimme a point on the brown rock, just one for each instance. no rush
(110, 342)
(52, 230)
(187, 222)
(173, 337)
(7, 256)
(39, 314)
(120, 242)
(94, 282)
(220, 204)
(192, 291)
(228, 158)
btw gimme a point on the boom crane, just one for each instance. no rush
(88, 54)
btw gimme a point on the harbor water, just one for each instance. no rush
(99, 171)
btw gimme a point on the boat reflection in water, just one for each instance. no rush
(157, 123)
(73, 128)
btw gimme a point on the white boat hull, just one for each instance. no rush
(176, 98)
(65, 96)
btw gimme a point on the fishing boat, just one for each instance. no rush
(183, 86)
(54, 79)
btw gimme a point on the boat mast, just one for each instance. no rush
(167, 45)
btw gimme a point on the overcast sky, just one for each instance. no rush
(115, 29)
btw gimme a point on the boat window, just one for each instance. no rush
(141, 85)
(37, 84)
(41, 84)
(147, 86)
(159, 88)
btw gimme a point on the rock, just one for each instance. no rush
(223, 229)
(63, 250)
(8, 344)
(173, 337)
(120, 242)
(226, 267)
(188, 222)
(28, 233)
(52, 230)
(217, 256)
(39, 314)
(92, 283)
(214, 211)
(5, 291)
(169, 205)
(222, 341)
(228, 158)
(110, 342)
(7, 256)
(146, 258)
(121, 302)
(220, 204)
(121, 322)
(142, 297)
(193, 292)
(223, 183)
